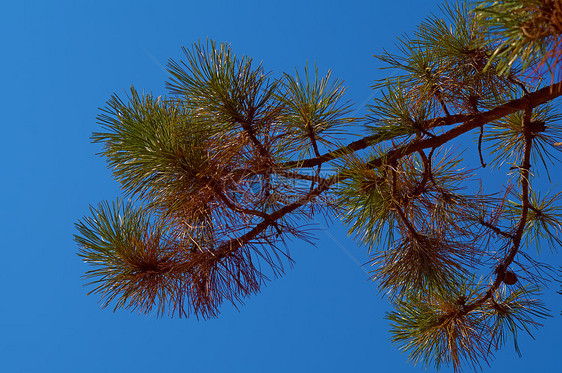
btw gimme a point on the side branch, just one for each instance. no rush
(525, 204)
(234, 244)
(234, 207)
(248, 128)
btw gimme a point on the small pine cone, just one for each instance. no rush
(510, 278)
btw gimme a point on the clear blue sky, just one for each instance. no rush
(61, 60)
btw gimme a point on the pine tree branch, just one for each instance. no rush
(396, 205)
(531, 100)
(525, 205)
(470, 121)
(427, 173)
(312, 138)
(252, 135)
(247, 126)
(234, 244)
(476, 120)
(480, 137)
(495, 229)
(233, 206)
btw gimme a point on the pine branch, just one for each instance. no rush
(516, 239)
(219, 169)
(470, 122)
(233, 206)
(533, 99)
(495, 229)
(247, 126)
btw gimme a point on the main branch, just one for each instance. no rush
(470, 121)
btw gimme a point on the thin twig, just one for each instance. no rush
(517, 237)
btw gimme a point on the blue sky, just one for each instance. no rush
(61, 60)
